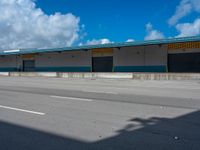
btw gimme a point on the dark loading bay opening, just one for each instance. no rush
(28, 65)
(102, 64)
(184, 62)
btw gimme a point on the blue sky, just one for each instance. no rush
(61, 23)
(117, 20)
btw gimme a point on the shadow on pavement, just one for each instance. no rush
(181, 133)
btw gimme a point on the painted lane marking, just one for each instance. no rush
(115, 93)
(72, 98)
(22, 110)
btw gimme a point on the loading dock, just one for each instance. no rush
(184, 57)
(184, 62)
(28, 62)
(102, 60)
(28, 65)
(102, 64)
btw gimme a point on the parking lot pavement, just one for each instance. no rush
(52, 113)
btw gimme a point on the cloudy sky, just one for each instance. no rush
(59, 23)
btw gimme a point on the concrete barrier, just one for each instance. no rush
(133, 76)
(166, 76)
(4, 73)
(96, 75)
(33, 74)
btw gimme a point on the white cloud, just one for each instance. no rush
(80, 44)
(153, 34)
(189, 29)
(100, 41)
(183, 9)
(130, 40)
(22, 25)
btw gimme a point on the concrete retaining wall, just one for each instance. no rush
(132, 76)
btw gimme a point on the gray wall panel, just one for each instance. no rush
(78, 58)
(8, 61)
(129, 56)
(155, 55)
(141, 56)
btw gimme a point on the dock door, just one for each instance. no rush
(28, 62)
(28, 65)
(102, 60)
(184, 57)
(184, 62)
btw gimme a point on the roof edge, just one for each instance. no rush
(109, 45)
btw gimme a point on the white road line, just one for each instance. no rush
(104, 92)
(72, 98)
(22, 110)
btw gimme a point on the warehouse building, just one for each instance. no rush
(169, 55)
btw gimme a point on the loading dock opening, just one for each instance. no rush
(102, 60)
(102, 64)
(184, 62)
(28, 65)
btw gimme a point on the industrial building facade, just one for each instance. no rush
(170, 55)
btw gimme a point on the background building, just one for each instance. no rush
(170, 55)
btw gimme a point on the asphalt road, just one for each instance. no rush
(62, 114)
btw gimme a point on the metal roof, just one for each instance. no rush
(111, 45)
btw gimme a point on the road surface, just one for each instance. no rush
(62, 114)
